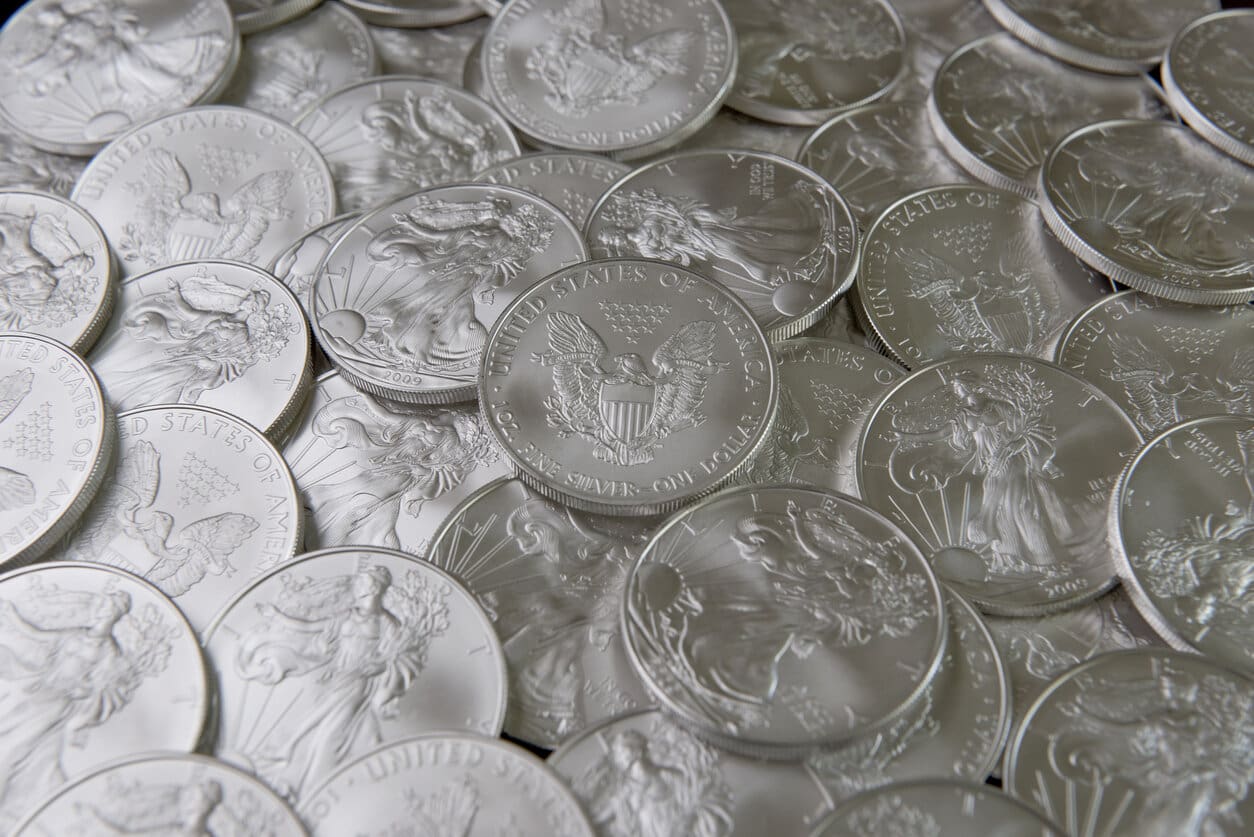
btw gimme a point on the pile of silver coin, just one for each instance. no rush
(630, 418)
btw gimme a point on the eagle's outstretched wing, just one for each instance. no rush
(685, 364)
(1142, 372)
(448, 811)
(249, 211)
(926, 269)
(13, 389)
(134, 487)
(575, 354)
(665, 52)
(159, 193)
(16, 489)
(209, 541)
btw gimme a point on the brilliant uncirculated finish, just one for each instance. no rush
(998, 106)
(383, 474)
(1164, 362)
(343, 651)
(641, 774)
(164, 794)
(24, 167)
(570, 181)
(76, 75)
(197, 502)
(587, 420)
(957, 270)
(438, 54)
(935, 808)
(1001, 468)
(256, 15)
(771, 231)
(1153, 207)
(1146, 742)
(1184, 513)
(1206, 75)
(387, 137)
(206, 183)
(803, 61)
(217, 334)
(405, 298)
(625, 78)
(414, 13)
(775, 620)
(56, 439)
(98, 665)
(56, 272)
(445, 784)
(827, 390)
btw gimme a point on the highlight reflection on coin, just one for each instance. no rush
(1206, 72)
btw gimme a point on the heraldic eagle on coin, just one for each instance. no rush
(613, 400)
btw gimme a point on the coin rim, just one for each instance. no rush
(379, 14)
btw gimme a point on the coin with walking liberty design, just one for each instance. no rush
(937, 808)
(1206, 74)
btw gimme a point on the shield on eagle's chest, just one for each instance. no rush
(1009, 321)
(191, 239)
(626, 409)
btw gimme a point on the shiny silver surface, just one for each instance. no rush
(1206, 74)
(935, 808)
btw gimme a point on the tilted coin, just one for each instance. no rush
(877, 154)
(588, 421)
(641, 774)
(1001, 468)
(23, 166)
(473, 78)
(446, 784)
(552, 582)
(1124, 36)
(935, 808)
(957, 270)
(624, 77)
(56, 272)
(438, 53)
(297, 266)
(827, 390)
(98, 665)
(1206, 74)
(773, 232)
(197, 502)
(730, 129)
(570, 181)
(414, 13)
(404, 300)
(998, 106)
(345, 650)
(164, 794)
(1150, 742)
(387, 137)
(206, 183)
(218, 334)
(385, 474)
(775, 620)
(284, 70)
(1164, 362)
(256, 15)
(56, 439)
(804, 61)
(1154, 207)
(1184, 518)
(77, 75)
(957, 730)
(935, 28)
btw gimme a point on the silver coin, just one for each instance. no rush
(56, 439)
(729, 129)
(1001, 468)
(255, 15)
(957, 729)
(803, 62)
(473, 78)
(98, 665)
(827, 390)
(206, 183)
(1206, 74)
(877, 154)
(567, 391)
(1183, 516)
(217, 334)
(388, 137)
(776, 620)
(1145, 742)
(841, 322)
(641, 774)
(404, 300)
(414, 13)
(935, 28)
(297, 266)
(284, 70)
(1154, 207)
(438, 53)
(384, 474)
(629, 77)
(1164, 362)
(25, 167)
(957, 270)
(998, 106)
(552, 584)
(164, 794)
(935, 808)
(197, 502)
(1117, 36)
(446, 784)
(345, 650)
(77, 75)
(570, 181)
(56, 272)
(773, 232)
